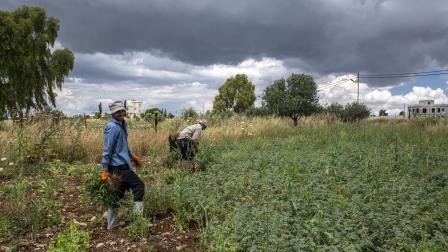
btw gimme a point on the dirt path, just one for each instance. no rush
(163, 237)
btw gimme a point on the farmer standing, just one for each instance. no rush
(188, 139)
(117, 160)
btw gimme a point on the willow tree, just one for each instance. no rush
(30, 70)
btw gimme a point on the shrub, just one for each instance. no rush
(189, 113)
(258, 112)
(350, 113)
(354, 112)
(334, 109)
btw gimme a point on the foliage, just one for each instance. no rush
(29, 70)
(5, 232)
(382, 112)
(139, 228)
(236, 94)
(99, 114)
(72, 240)
(158, 196)
(258, 112)
(334, 109)
(100, 193)
(354, 112)
(351, 112)
(150, 114)
(295, 97)
(352, 187)
(189, 113)
(222, 115)
(29, 205)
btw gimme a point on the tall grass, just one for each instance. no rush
(46, 138)
(70, 140)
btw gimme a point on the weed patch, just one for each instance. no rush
(73, 240)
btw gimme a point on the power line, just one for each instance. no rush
(383, 76)
(425, 72)
(330, 85)
(405, 75)
(334, 83)
(401, 76)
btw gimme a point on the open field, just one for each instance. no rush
(267, 186)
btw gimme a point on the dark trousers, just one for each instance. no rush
(186, 148)
(129, 181)
(172, 141)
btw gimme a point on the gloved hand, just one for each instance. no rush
(104, 176)
(195, 147)
(136, 160)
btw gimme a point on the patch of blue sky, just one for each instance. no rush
(433, 81)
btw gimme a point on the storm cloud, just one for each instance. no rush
(145, 48)
(320, 36)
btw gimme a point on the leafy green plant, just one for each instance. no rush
(158, 197)
(342, 188)
(100, 193)
(354, 112)
(139, 228)
(5, 233)
(30, 205)
(72, 240)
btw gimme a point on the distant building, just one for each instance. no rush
(134, 108)
(426, 108)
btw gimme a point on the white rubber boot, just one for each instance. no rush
(112, 221)
(138, 207)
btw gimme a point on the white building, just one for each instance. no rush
(427, 108)
(134, 108)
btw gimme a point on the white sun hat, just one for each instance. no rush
(116, 106)
(204, 122)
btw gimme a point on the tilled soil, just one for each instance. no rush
(163, 237)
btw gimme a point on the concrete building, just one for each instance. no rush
(134, 108)
(427, 108)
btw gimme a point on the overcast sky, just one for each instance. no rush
(174, 54)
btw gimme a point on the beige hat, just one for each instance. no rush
(116, 106)
(204, 122)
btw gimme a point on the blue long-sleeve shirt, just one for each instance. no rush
(116, 151)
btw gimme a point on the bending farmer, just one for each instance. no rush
(188, 139)
(117, 160)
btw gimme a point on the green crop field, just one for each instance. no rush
(323, 186)
(342, 188)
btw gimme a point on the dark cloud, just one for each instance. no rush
(321, 36)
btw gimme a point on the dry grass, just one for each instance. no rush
(70, 140)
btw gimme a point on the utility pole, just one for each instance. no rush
(357, 97)
(404, 110)
(156, 120)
